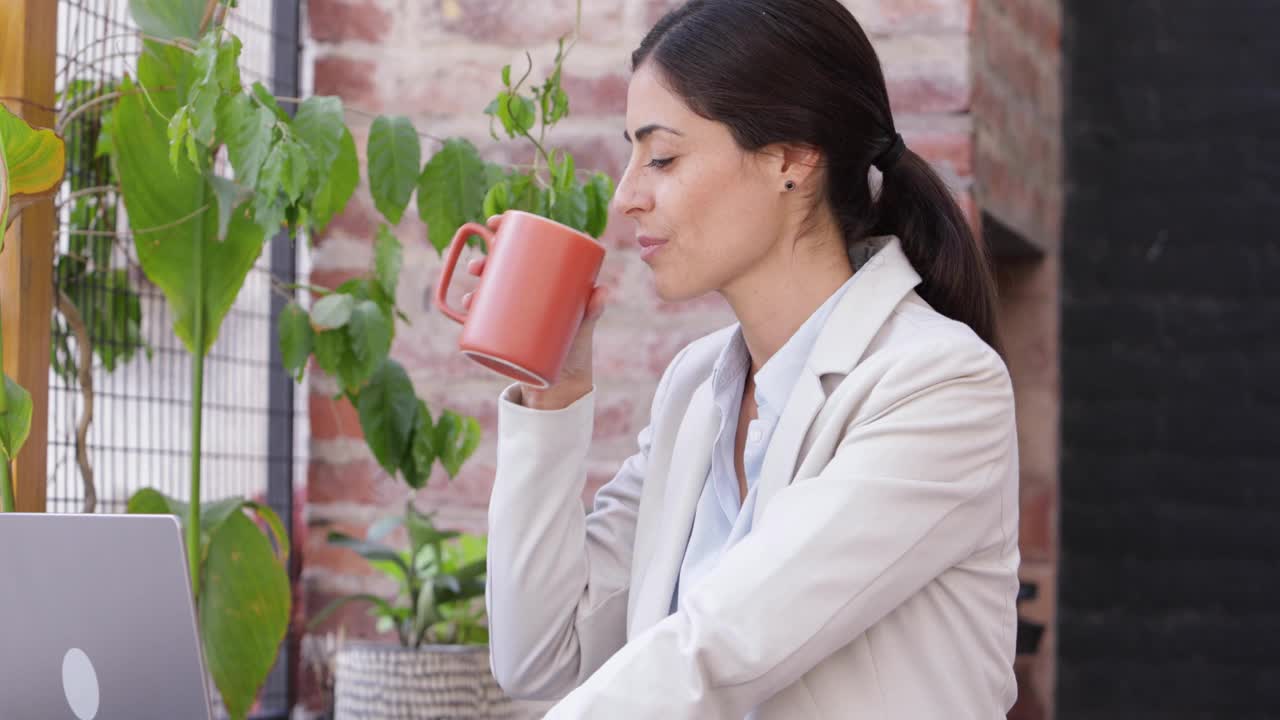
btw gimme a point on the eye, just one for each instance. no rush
(660, 162)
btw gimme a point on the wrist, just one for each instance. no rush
(556, 397)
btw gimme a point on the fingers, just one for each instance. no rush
(493, 222)
(466, 301)
(596, 305)
(476, 266)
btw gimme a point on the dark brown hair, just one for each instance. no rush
(803, 72)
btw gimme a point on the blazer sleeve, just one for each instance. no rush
(557, 581)
(910, 491)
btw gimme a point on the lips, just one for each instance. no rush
(649, 246)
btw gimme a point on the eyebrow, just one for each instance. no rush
(645, 131)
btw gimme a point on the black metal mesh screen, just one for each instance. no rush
(139, 371)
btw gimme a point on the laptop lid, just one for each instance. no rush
(96, 619)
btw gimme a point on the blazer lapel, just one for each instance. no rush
(879, 286)
(807, 398)
(687, 474)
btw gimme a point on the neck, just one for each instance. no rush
(775, 298)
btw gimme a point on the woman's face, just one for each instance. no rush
(715, 210)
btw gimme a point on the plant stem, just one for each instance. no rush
(197, 414)
(6, 487)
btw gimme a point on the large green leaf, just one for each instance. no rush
(338, 183)
(456, 438)
(388, 410)
(571, 207)
(164, 66)
(246, 130)
(599, 193)
(332, 311)
(149, 501)
(334, 355)
(394, 154)
(15, 419)
(296, 339)
(244, 611)
(387, 259)
(451, 191)
(319, 125)
(168, 19)
(175, 226)
(370, 332)
(422, 450)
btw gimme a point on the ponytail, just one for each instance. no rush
(916, 206)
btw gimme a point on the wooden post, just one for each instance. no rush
(28, 43)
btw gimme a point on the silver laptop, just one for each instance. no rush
(96, 619)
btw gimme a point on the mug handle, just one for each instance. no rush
(451, 262)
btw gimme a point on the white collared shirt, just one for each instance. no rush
(721, 520)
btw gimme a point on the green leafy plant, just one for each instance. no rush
(32, 163)
(440, 580)
(198, 226)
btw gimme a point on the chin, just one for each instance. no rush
(672, 293)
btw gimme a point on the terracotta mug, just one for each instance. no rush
(532, 295)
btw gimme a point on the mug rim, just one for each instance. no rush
(573, 230)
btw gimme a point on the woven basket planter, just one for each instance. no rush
(433, 682)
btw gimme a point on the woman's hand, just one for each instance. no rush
(575, 379)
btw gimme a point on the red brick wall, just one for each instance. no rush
(438, 62)
(1017, 116)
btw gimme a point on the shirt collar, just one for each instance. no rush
(777, 378)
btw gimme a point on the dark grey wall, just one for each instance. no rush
(1169, 600)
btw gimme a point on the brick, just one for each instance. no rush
(604, 152)
(351, 79)
(888, 17)
(596, 95)
(613, 417)
(332, 418)
(1036, 531)
(926, 73)
(512, 23)
(622, 351)
(1040, 21)
(358, 220)
(362, 482)
(470, 489)
(346, 20)
(457, 88)
(947, 143)
(878, 17)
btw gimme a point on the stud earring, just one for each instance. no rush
(790, 185)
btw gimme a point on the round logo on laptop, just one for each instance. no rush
(80, 683)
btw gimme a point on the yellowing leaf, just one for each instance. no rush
(35, 158)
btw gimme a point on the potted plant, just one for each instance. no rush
(440, 666)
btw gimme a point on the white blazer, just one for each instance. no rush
(878, 580)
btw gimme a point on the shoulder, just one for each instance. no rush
(694, 362)
(921, 353)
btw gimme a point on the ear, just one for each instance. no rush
(798, 163)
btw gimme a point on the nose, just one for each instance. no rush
(629, 198)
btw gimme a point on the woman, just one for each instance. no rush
(821, 517)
